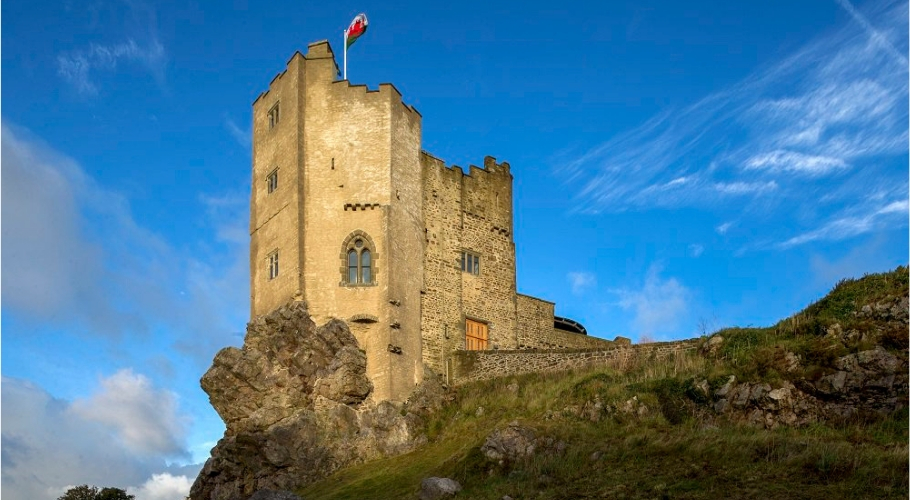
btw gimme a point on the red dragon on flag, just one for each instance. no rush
(357, 28)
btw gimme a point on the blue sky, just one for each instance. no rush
(679, 167)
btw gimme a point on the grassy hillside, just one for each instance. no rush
(650, 437)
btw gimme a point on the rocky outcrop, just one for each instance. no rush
(296, 403)
(516, 442)
(866, 382)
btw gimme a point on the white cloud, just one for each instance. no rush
(696, 249)
(90, 259)
(891, 215)
(826, 124)
(81, 67)
(791, 161)
(47, 446)
(243, 137)
(77, 67)
(745, 188)
(875, 35)
(581, 281)
(163, 487)
(145, 420)
(723, 228)
(660, 306)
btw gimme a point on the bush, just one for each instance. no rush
(86, 492)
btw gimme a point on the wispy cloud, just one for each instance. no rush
(875, 35)
(890, 215)
(745, 188)
(243, 137)
(660, 306)
(827, 124)
(81, 67)
(696, 249)
(723, 228)
(791, 161)
(581, 281)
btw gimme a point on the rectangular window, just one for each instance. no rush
(470, 263)
(272, 180)
(274, 115)
(273, 265)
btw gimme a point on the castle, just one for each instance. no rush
(349, 214)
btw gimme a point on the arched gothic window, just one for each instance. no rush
(358, 256)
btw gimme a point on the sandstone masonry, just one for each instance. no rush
(348, 214)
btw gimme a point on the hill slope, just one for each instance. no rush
(813, 407)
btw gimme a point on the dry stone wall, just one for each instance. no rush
(469, 366)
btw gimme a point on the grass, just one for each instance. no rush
(671, 451)
(625, 457)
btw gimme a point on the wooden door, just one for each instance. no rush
(476, 335)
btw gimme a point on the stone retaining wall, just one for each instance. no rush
(468, 366)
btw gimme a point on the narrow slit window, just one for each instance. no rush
(352, 267)
(272, 180)
(273, 265)
(365, 266)
(274, 115)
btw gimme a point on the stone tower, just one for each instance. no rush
(336, 212)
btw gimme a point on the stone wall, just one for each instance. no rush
(469, 366)
(467, 213)
(536, 331)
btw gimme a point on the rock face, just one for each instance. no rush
(297, 406)
(870, 381)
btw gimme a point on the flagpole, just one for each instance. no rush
(345, 42)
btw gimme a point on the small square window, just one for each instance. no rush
(272, 180)
(470, 263)
(274, 115)
(273, 265)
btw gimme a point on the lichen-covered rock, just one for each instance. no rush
(869, 381)
(713, 344)
(434, 488)
(516, 442)
(509, 444)
(296, 403)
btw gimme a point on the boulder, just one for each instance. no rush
(509, 444)
(433, 488)
(515, 443)
(713, 344)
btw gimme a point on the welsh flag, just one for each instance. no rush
(357, 28)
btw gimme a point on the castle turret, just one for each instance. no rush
(337, 214)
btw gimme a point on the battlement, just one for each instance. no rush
(322, 50)
(490, 167)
